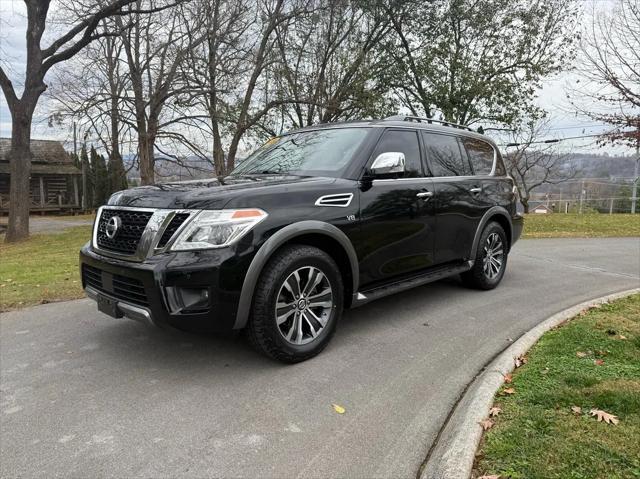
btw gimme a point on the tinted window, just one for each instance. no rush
(323, 152)
(500, 170)
(480, 155)
(444, 155)
(405, 141)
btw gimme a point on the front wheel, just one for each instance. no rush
(491, 259)
(297, 304)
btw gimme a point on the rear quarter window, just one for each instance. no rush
(444, 155)
(481, 155)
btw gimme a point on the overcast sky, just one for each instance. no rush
(552, 97)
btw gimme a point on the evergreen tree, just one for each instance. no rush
(100, 179)
(84, 160)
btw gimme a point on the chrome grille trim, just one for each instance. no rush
(148, 244)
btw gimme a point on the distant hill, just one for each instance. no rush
(588, 165)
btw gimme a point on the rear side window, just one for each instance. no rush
(405, 141)
(444, 155)
(480, 155)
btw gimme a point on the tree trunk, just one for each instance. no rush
(218, 154)
(233, 149)
(145, 151)
(525, 204)
(20, 173)
(118, 176)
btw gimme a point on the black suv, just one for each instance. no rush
(319, 219)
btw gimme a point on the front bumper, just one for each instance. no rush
(140, 288)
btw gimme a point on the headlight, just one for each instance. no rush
(217, 228)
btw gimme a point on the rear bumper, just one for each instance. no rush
(140, 289)
(517, 225)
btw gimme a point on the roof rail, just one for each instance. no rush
(420, 119)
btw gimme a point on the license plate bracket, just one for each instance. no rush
(109, 306)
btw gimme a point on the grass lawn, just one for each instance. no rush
(593, 362)
(41, 269)
(79, 217)
(560, 225)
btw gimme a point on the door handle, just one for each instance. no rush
(475, 190)
(425, 195)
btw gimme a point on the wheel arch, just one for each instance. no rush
(500, 216)
(322, 235)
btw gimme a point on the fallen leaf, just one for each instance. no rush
(520, 360)
(494, 411)
(486, 424)
(508, 378)
(601, 415)
(544, 371)
(581, 354)
(577, 410)
(622, 337)
(338, 409)
(598, 362)
(493, 476)
(509, 391)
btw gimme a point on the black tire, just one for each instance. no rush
(478, 277)
(263, 332)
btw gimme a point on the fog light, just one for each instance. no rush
(187, 300)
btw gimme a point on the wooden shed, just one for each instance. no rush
(55, 180)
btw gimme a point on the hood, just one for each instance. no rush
(212, 193)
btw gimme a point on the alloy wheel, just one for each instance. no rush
(303, 305)
(493, 258)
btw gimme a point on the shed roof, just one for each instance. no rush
(44, 151)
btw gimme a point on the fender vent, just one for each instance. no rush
(341, 200)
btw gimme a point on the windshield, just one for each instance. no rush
(310, 153)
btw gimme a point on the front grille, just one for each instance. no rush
(175, 223)
(129, 290)
(128, 235)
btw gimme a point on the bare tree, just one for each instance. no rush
(228, 74)
(89, 89)
(331, 64)
(215, 67)
(38, 62)
(532, 162)
(155, 47)
(608, 87)
(271, 16)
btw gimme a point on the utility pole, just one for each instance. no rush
(636, 178)
(84, 176)
(581, 196)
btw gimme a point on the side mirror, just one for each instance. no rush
(387, 163)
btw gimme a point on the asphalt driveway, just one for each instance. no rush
(85, 395)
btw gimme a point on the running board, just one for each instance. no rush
(363, 297)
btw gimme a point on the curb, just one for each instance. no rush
(453, 453)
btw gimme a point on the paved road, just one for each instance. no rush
(50, 224)
(87, 396)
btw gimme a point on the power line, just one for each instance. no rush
(552, 140)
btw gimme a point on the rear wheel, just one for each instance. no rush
(491, 259)
(297, 304)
